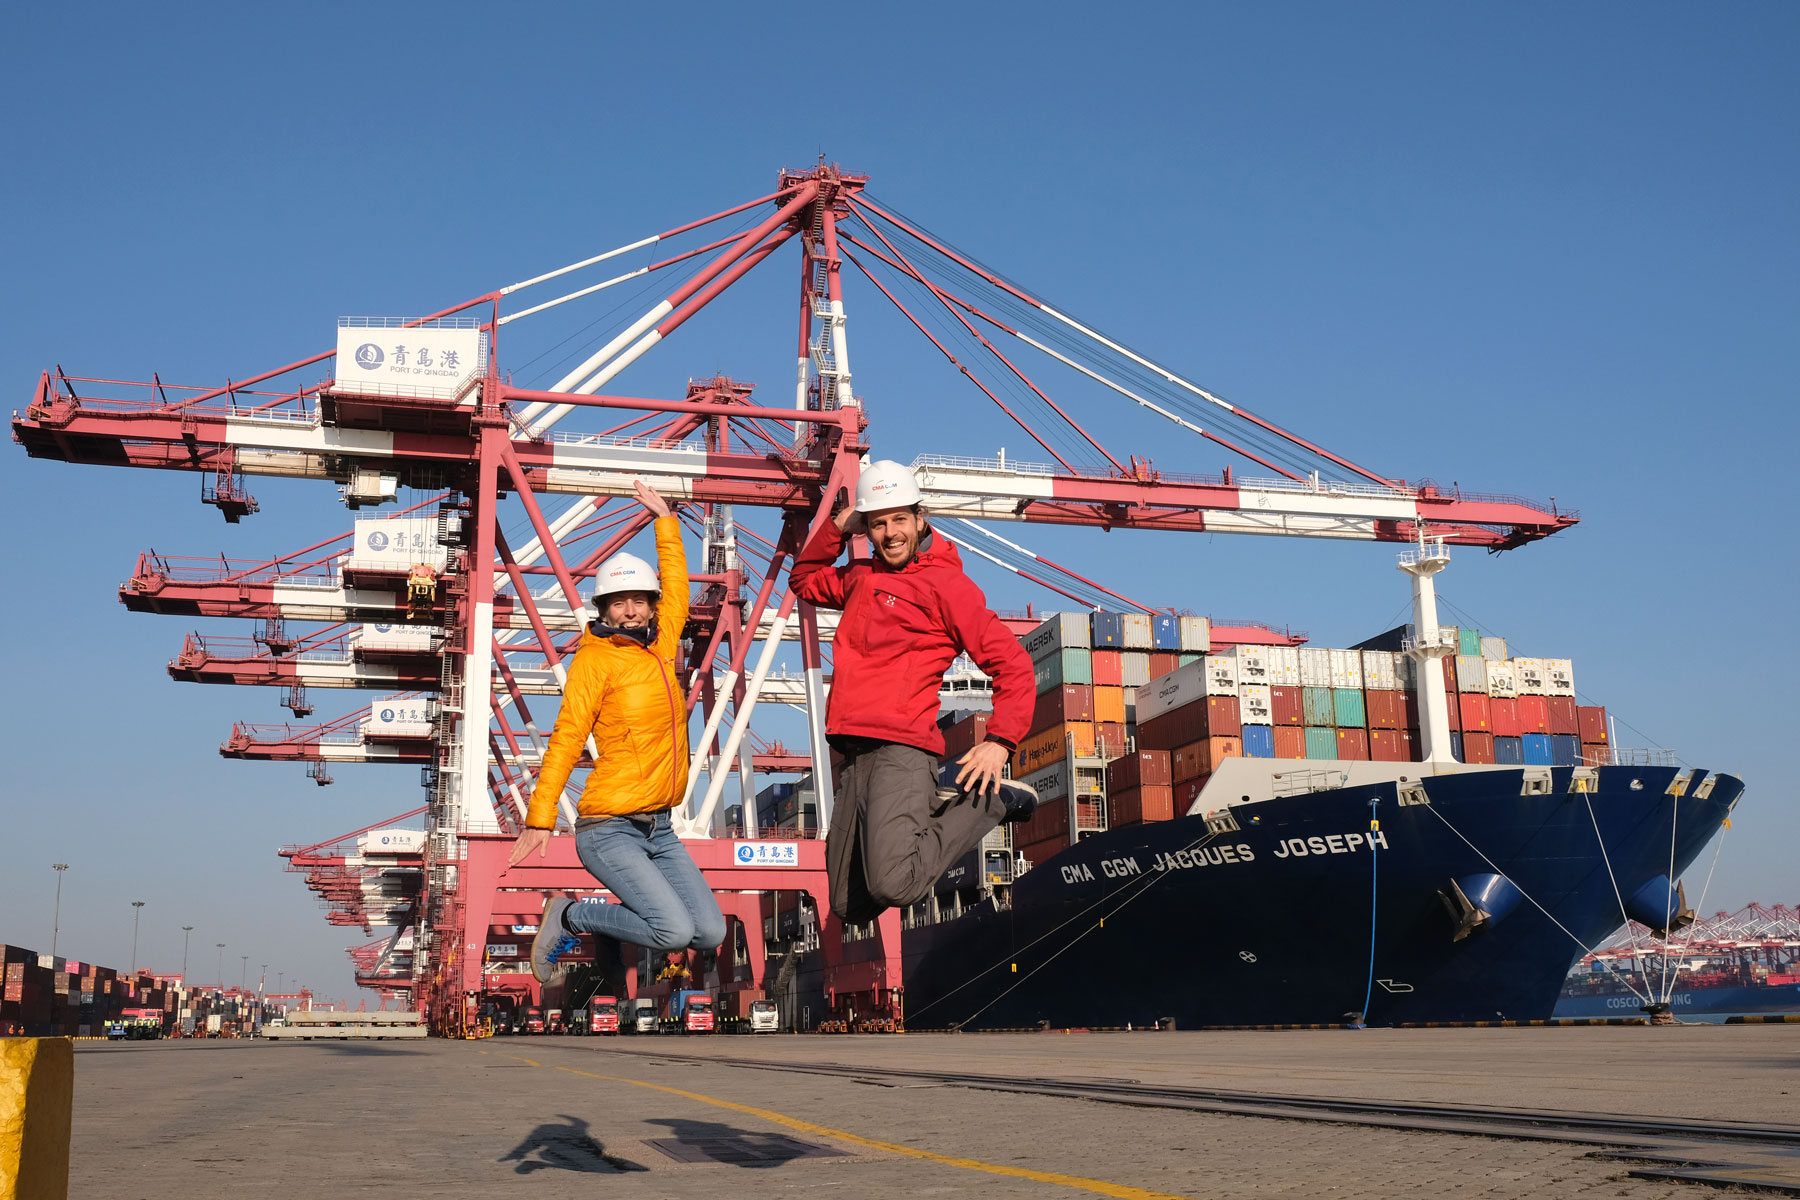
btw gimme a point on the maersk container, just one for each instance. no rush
(1256, 704)
(1502, 683)
(1221, 675)
(1346, 668)
(1559, 677)
(1321, 742)
(1565, 750)
(1380, 670)
(1073, 665)
(1134, 668)
(1509, 751)
(1060, 632)
(1259, 740)
(1529, 672)
(1468, 641)
(1536, 747)
(1493, 649)
(1108, 630)
(1471, 674)
(1316, 707)
(1347, 708)
(1252, 664)
(1315, 667)
(1196, 634)
(1284, 666)
(1165, 632)
(1137, 631)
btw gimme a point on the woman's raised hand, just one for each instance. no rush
(646, 496)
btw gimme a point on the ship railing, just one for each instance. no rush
(1300, 783)
(1630, 756)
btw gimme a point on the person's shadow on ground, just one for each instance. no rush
(566, 1148)
(709, 1141)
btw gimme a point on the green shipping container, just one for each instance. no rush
(1469, 642)
(1347, 703)
(1321, 743)
(1074, 665)
(1183, 660)
(1316, 708)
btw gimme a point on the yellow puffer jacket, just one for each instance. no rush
(629, 698)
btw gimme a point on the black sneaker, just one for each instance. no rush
(1021, 801)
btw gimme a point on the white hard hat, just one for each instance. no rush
(885, 483)
(625, 573)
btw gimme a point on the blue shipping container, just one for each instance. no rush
(1509, 752)
(1468, 641)
(1537, 749)
(1165, 633)
(1565, 750)
(1259, 741)
(1456, 745)
(1109, 629)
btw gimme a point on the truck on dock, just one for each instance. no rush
(692, 1011)
(602, 1015)
(643, 1015)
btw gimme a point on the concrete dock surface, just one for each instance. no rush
(673, 1116)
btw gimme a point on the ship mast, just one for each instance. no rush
(1429, 645)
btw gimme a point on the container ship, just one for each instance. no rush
(1238, 829)
(1745, 963)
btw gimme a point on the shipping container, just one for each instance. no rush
(1070, 702)
(1134, 806)
(1529, 673)
(1468, 642)
(1346, 668)
(1559, 677)
(1537, 749)
(1503, 717)
(1110, 739)
(1503, 684)
(1203, 757)
(1534, 714)
(1290, 741)
(1137, 631)
(1134, 668)
(1161, 662)
(1141, 768)
(1380, 670)
(1565, 750)
(1252, 664)
(1593, 723)
(1284, 666)
(1182, 686)
(1107, 668)
(1259, 741)
(1071, 666)
(1476, 712)
(1221, 675)
(1471, 674)
(1509, 751)
(1385, 710)
(1348, 711)
(1285, 707)
(1165, 633)
(1389, 745)
(1130, 695)
(1184, 658)
(1564, 717)
(964, 735)
(1458, 746)
(1052, 745)
(1062, 631)
(1196, 635)
(1109, 704)
(1596, 754)
(1321, 742)
(1222, 717)
(1255, 704)
(1187, 793)
(1493, 649)
(1315, 667)
(1107, 630)
(1316, 707)
(1353, 744)
(1478, 747)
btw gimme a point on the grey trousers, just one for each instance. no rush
(887, 846)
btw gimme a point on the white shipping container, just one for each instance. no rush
(1284, 666)
(1493, 649)
(1255, 704)
(1381, 670)
(1315, 667)
(1346, 668)
(1221, 675)
(1471, 674)
(1406, 670)
(1530, 675)
(1059, 632)
(1138, 634)
(399, 717)
(1134, 668)
(1253, 664)
(1183, 685)
(396, 637)
(1502, 683)
(1130, 705)
(1196, 634)
(396, 544)
(1559, 677)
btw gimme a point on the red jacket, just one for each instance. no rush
(899, 631)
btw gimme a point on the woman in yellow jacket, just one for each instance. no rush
(622, 690)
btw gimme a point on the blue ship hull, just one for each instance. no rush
(1688, 1002)
(1270, 923)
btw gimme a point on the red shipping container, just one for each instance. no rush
(1449, 661)
(1203, 757)
(1593, 724)
(1478, 748)
(1137, 805)
(1534, 714)
(1353, 744)
(1063, 702)
(1285, 704)
(1563, 715)
(1187, 793)
(1161, 663)
(1049, 821)
(1109, 738)
(1215, 716)
(1477, 713)
(1109, 704)
(1222, 717)
(1144, 768)
(1109, 670)
(1290, 741)
(1504, 716)
(965, 735)
(1409, 708)
(1384, 710)
(1596, 754)
(1389, 745)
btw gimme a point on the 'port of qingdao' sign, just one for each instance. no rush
(424, 361)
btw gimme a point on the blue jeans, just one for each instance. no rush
(663, 900)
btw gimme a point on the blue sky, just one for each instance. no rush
(1538, 250)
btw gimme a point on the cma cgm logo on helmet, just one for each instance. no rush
(378, 540)
(369, 356)
(882, 487)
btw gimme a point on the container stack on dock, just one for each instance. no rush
(45, 996)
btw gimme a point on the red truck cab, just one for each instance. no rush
(603, 1014)
(697, 1015)
(534, 1019)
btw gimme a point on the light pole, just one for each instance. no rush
(244, 972)
(186, 932)
(221, 946)
(137, 913)
(56, 921)
(262, 980)
(279, 976)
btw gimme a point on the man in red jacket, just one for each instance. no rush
(908, 612)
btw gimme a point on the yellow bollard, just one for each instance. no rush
(37, 1099)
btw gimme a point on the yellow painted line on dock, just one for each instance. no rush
(1098, 1186)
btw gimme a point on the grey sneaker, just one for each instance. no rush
(553, 943)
